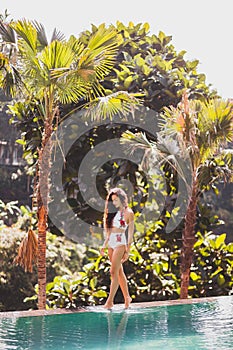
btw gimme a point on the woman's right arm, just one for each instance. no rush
(105, 242)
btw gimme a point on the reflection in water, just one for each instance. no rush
(214, 323)
(23, 333)
(205, 326)
(116, 330)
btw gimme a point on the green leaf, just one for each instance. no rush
(146, 70)
(93, 283)
(59, 291)
(34, 297)
(194, 276)
(128, 81)
(230, 247)
(219, 269)
(50, 286)
(139, 61)
(220, 241)
(100, 294)
(146, 26)
(66, 287)
(221, 280)
(212, 243)
(21, 142)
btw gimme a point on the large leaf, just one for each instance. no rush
(41, 34)
(101, 51)
(214, 123)
(121, 103)
(7, 33)
(56, 55)
(27, 34)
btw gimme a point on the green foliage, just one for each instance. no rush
(15, 284)
(145, 64)
(152, 272)
(150, 65)
(79, 276)
(63, 257)
(28, 117)
(86, 287)
(69, 292)
(8, 211)
(212, 269)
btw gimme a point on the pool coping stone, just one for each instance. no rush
(27, 313)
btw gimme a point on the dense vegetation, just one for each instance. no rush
(78, 275)
(147, 65)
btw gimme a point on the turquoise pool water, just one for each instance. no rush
(206, 325)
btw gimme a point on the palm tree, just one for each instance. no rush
(53, 73)
(200, 130)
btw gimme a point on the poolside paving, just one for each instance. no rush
(133, 305)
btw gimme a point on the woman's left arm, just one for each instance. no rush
(130, 229)
(130, 221)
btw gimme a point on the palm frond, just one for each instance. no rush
(76, 45)
(27, 34)
(48, 66)
(202, 127)
(167, 145)
(4, 61)
(7, 33)
(57, 36)
(28, 252)
(101, 51)
(121, 103)
(71, 91)
(91, 63)
(215, 121)
(7, 84)
(227, 156)
(165, 151)
(41, 34)
(10, 78)
(219, 167)
(135, 140)
(56, 55)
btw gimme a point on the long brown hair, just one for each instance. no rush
(110, 210)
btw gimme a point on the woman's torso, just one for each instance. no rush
(118, 223)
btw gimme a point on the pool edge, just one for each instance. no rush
(26, 313)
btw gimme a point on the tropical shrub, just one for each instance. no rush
(15, 284)
(152, 272)
(212, 270)
(8, 212)
(63, 257)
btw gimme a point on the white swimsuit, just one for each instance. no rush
(118, 239)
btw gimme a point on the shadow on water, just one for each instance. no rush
(206, 326)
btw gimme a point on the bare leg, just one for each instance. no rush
(115, 257)
(124, 287)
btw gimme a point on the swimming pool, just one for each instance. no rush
(206, 325)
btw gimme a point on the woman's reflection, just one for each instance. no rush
(117, 323)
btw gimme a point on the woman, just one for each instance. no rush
(117, 217)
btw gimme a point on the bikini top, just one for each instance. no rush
(119, 221)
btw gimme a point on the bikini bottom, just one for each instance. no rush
(116, 240)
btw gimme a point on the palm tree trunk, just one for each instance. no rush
(42, 210)
(41, 264)
(188, 239)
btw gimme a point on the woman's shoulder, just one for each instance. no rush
(129, 212)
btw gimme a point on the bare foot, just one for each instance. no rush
(127, 302)
(108, 306)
